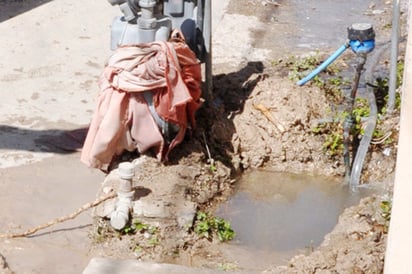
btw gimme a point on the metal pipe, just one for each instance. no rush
(394, 57)
(207, 33)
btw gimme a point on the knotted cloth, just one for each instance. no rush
(122, 119)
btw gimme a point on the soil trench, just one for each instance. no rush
(258, 118)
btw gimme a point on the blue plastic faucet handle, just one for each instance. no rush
(362, 47)
(361, 37)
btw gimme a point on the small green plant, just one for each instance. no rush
(385, 212)
(381, 88)
(134, 227)
(213, 168)
(154, 240)
(207, 226)
(360, 110)
(328, 81)
(333, 132)
(332, 86)
(399, 73)
(334, 144)
(227, 267)
(300, 66)
(387, 26)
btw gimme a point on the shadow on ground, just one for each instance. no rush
(215, 128)
(51, 140)
(12, 8)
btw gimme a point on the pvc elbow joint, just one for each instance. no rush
(120, 217)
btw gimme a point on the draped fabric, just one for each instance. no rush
(122, 119)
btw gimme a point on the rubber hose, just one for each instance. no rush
(370, 124)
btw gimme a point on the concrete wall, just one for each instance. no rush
(398, 259)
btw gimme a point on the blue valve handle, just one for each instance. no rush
(357, 47)
(362, 47)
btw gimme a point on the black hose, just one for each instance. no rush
(348, 123)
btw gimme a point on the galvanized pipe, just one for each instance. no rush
(394, 57)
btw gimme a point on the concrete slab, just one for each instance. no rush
(51, 58)
(112, 266)
(52, 53)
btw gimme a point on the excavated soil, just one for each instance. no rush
(257, 118)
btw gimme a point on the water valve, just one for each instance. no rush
(361, 37)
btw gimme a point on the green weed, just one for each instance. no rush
(134, 227)
(333, 132)
(385, 212)
(227, 267)
(328, 80)
(207, 226)
(360, 111)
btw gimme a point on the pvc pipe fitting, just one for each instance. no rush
(126, 170)
(120, 217)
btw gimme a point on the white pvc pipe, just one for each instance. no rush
(120, 217)
(398, 251)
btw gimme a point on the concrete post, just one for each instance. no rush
(398, 251)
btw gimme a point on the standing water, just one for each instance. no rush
(277, 215)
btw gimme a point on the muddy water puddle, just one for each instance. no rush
(278, 215)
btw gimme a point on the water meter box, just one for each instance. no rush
(187, 16)
(175, 8)
(126, 33)
(180, 11)
(140, 22)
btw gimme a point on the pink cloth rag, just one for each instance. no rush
(122, 119)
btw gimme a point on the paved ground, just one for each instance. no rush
(51, 59)
(52, 56)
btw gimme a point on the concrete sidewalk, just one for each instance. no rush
(111, 266)
(52, 56)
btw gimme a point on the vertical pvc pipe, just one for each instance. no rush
(398, 255)
(394, 56)
(120, 217)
